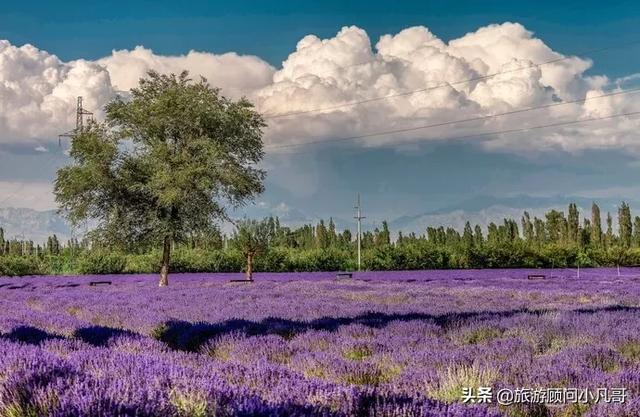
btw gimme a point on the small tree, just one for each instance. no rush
(164, 165)
(252, 239)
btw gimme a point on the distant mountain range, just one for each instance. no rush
(38, 225)
(483, 210)
(33, 225)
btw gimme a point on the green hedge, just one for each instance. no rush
(101, 262)
(414, 256)
(18, 266)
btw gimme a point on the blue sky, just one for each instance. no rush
(395, 180)
(270, 29)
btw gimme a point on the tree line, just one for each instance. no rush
(555, 239)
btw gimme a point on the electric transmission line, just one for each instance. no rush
(451, 122)
(444, 84)
(496, 132)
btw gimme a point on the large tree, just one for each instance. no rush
(527, 228)
(624, 225)
(596, 225)
(609, 236)
(166, 164)
(573, 223)
(556, 226)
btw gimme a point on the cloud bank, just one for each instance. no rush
(319, 80)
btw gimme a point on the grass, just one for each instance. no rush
(481, 335)
(630, 350)
(358, 353)
(372, 376)
(189, 405)
(455, 378)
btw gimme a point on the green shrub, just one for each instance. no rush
(140, 264)
(101, 262)
(18, 266)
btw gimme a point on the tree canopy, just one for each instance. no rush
(167, 163)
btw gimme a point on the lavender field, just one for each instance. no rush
(381, 344)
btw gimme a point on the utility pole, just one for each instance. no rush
(72, 243)
(359, 218)
(22, 244)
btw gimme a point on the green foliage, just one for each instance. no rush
(141, 263)
(102, 262)
(554, 242)
(358, 353)
(190, 404)
(198, 260)
(316, 260)
(163, 165)
(252, 237)
(413, 255)
(371, 376)
(18, 266)
(453, 380)
(481, 335)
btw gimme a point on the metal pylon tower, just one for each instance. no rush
(80, 113)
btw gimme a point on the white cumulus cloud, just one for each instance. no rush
(426, 81)
(406, 80)
(38, 91)
(236, 74)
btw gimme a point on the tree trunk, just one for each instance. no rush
(164, 268)
(249, 272)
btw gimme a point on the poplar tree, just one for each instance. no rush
(596, 226)
(573, 224)
(540, 231)
(624, 225)
(467, 236)
(585, 233)
(492, 234)
(527, 228)
(332, 231)
(609, 235)
(479, 239)
(384, 236)
(555, 225)
(636, 231)
(322, 236)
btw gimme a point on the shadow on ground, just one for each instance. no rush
(186, 336)
(29, 335)
(182, 335)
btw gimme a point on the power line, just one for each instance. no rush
(81, 112)
(497, 132)
(444, 84)
(451, 122)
